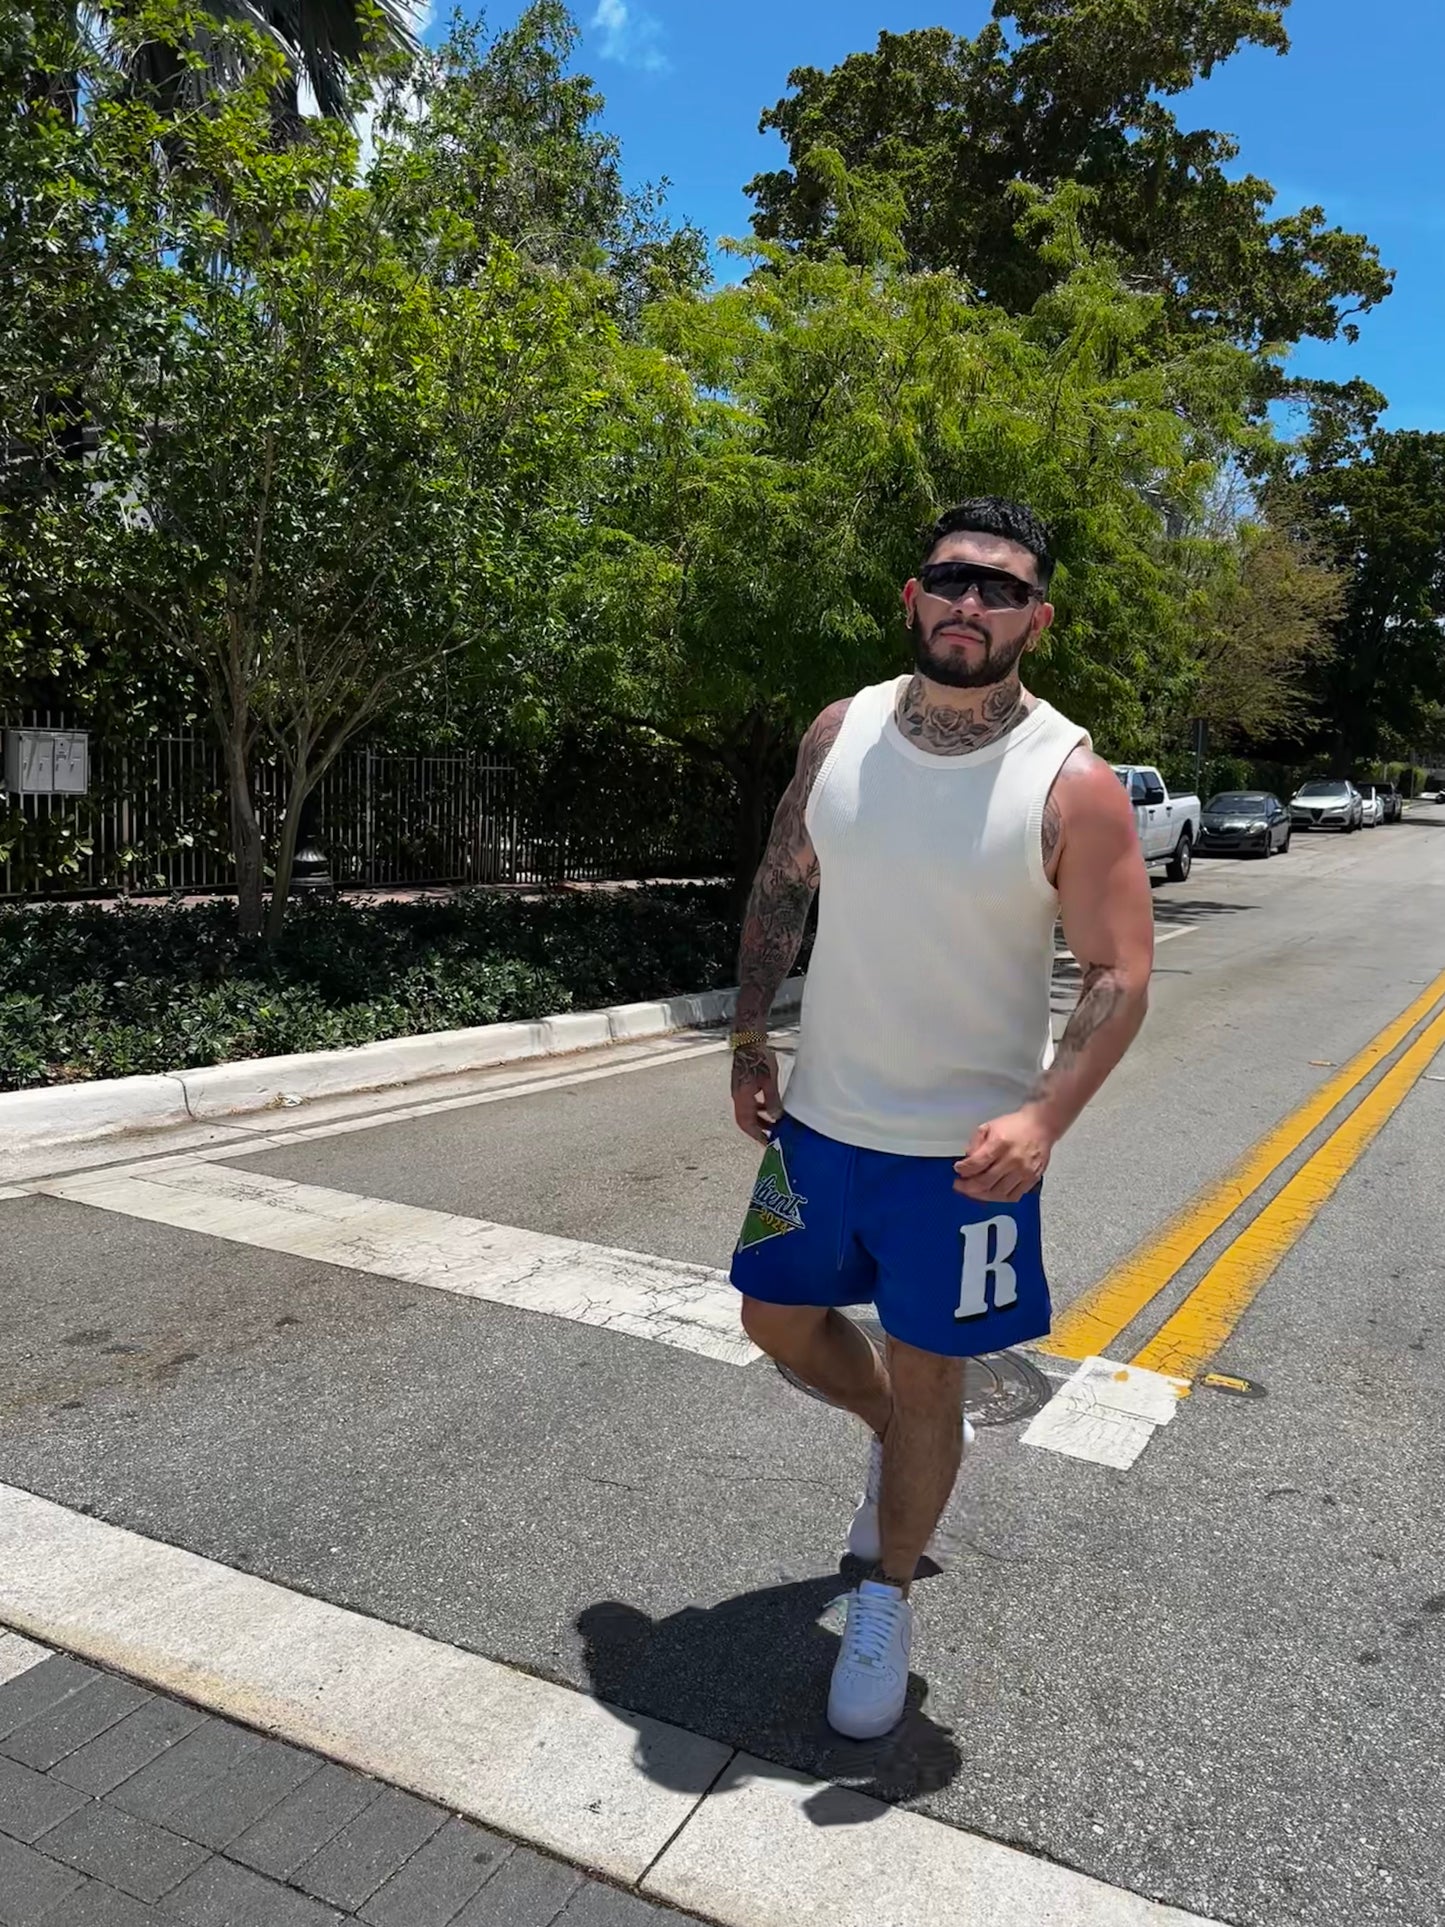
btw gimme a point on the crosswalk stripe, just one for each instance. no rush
(692, 1307)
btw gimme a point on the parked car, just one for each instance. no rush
(1393, 801)
(1249, 822)
(1168, 825)
(1372, 805)
(1329, 803)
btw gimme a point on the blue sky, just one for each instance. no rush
(1351, 119)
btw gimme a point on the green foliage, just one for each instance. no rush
(787, 441)
(114, 992)
(1263, 609)
(1373, 504)
(458, 444)
(325, 43)
(1408, 778)
(498, 141)
(1054, 93)
(324, 463)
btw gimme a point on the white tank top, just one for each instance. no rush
(926, 1010)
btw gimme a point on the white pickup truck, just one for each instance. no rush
(1168, 825)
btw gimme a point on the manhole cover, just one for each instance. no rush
(1000, 1388)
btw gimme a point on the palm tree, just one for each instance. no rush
(323, 42)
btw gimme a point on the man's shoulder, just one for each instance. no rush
(1087, 794)
(876, 697)
(823, 732)
(832, 716)
(817, 744)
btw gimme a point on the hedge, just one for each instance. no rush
(95, 992)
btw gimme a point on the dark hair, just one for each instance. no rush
(995, 515)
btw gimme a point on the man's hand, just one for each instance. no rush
(757, 1105)
(1005, 1158)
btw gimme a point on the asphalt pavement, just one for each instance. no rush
(1211, 1679)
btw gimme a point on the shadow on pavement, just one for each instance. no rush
(1174, 910)
(753, 1672)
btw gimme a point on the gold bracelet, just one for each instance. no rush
(748, 1040)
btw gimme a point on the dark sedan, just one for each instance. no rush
(1247, 822)
(1391, 801)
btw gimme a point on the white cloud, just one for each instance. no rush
(629, 36)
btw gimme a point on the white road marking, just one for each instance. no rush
(750, 1844)
(650, 1056)
(1106, 1412)
(18, 1655)
(690, 1306)
(361, 1111)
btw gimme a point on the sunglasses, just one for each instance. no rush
(995, 588)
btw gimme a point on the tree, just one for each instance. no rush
(1373, 501)
(67, 249)
(1264, 628)
(782, 449)
(500, 137)
(966, 131)
(334, 470)
(176, 58)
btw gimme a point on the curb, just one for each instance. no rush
(78, 1113)
(671, 1815)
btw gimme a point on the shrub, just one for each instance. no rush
(109, 992)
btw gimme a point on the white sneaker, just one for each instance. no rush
(865, 1538)
(870, 1677)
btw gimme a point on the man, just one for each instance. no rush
(951, 818)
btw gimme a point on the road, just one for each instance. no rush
(1212, 1678)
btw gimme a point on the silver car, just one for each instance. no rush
(1328, 804)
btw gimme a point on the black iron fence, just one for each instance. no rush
(155, 817)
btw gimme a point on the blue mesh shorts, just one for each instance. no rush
(830, 1224)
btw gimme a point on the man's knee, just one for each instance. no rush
(924, 1379)
(775, 1328)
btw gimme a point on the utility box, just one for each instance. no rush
(47, 762)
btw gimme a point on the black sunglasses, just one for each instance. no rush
(995, 588)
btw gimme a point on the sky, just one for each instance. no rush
(1352, 119)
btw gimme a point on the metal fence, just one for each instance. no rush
(155, 819)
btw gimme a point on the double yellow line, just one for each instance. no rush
(1193, 1334)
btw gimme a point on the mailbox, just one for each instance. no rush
(47, 762)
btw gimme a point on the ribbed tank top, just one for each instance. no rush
(926, 1009)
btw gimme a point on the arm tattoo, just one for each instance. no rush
(1100, 998)
(1053, 830)
(782, 893)
(953, 732)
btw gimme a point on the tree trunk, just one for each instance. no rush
(301, 785)
(247, 848)
(751, 766)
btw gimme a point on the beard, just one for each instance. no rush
(943, 664)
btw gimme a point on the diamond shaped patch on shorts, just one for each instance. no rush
(775, 1208)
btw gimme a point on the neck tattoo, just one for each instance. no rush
(946, 731)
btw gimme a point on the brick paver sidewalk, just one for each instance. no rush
(120, 1807)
